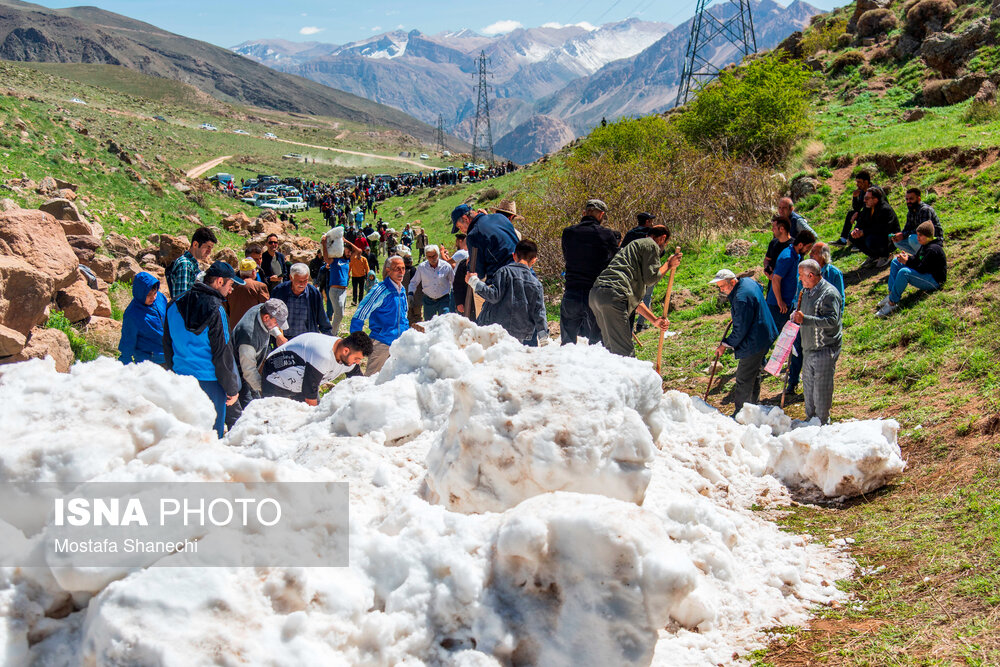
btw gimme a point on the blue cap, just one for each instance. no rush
(456, 214)
(223, 270)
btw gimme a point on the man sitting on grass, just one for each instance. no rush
(927, 270)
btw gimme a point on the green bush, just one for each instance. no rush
(632, 139)
(981, 112)
(823, 37)
(759, 111)
(82, 350)
(845, 61)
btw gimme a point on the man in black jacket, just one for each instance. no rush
(862, 181)
(927, 270)
(916, 212)
(875, 227)
(587, 249)
(273, 266)
(196, 339)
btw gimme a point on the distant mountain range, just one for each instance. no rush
(548, 83)
(34, 33)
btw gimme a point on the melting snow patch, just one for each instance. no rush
(544, 506)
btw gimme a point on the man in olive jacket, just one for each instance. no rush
(819, 314)
(619, 289)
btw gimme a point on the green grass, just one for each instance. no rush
(82, 349)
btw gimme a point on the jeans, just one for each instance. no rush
(357, 289)
(434, 307)
(235, 411)
(874, 245)
(909, 244)
(217, 395)
(576, 319)
(338, 300)
(900, 276)
(779, 317)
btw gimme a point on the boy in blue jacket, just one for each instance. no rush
(142, 323)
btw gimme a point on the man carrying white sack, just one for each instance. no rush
(296, 369)
(819, 314)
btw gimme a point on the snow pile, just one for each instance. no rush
(508, 505)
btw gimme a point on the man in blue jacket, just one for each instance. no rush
(196, 339)
(491, 235)
(142, 322)
(752, 334)
(384, 307)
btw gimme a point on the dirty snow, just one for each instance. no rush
(572, 516)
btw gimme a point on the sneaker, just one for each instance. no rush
(840, 242)
(883, 262)
(869, 263)
(887, 310)
(881, 303)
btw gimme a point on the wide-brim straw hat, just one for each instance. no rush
(508, 206)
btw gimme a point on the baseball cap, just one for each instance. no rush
(594, 203)
(247, 264)
(723, 274)
(643, 217)
(223, 270)
(456, 213)
(277, 309)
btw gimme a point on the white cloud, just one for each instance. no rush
(310, 30)
(501, 27)
(586, 26)
(376, 28)
(581, 24)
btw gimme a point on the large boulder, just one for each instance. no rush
(227, 255)
(68, 215)
(48, 186)
(103, 303)
(803, 186)
(126, 270)
(46, 343)
(25, 292)
(38, 238)
(104, 331)
(171, 247)
(119, 245)
(105, 268)
(946, 52)
(77, 301)
(927, 17)
(11, 341)
(238, 223)
(84, 246)
(987, 92)
(945, 92)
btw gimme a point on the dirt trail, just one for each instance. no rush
(202, 168)
(422, 166)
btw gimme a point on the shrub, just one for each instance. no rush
(489, 194)
(82, 350)
(845, 61)
(759, 110)
(875, 22)
(927, 16)
(823, 35)
(981, 112)
(866, 71)
(879, 55)
(845, 40)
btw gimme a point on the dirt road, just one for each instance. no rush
(422, 166)
(202, 168)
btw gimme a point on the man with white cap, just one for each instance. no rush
(251, 341)
(434, 277)
(751, 336)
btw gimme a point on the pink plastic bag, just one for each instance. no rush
(782, 348)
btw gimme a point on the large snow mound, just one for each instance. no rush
(545, 506)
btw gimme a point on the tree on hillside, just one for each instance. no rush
(759, 110)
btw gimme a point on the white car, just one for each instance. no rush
(240, 132)
(77, 100)
(279, 204)
(298, 203)
(425, 156)
(270, 135)
(207, 126)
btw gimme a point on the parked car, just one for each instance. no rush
(159, 118)
(425, 156)
(279, 204)
(77, 100)
(298, 203)
(220, 178)
(270, 135)
(445, 153)
(207, 126)
(240, 132)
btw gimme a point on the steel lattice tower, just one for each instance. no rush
(705, 27)
(482, 133)
(441, 145)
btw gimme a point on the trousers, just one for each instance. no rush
(747, 389)
(610, 309)
(217, 395)
(818, 368)
(577, 319)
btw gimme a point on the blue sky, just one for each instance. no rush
(229, 23)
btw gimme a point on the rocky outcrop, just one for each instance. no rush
(803, 186)
(37, 238)
(77, 302)
(539, 136)
(11, 341)
(25, 292)
(946, 52)
(46, 343)
(945, 92)
(119, 245)
(73, 222)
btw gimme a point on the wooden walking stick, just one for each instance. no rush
(666, 307)
(715, 364)
(469, 293)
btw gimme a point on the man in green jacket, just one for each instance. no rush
(619, 289)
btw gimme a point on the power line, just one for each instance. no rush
(441, 145)
(482, 132)
(705, 28)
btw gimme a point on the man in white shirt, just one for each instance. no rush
(297, 369)
(434, 277)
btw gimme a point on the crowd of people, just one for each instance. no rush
(271, 328)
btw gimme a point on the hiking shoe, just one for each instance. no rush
(883, 262)
(881, 303)
(869, 263)
(840, 242)
(887, 310)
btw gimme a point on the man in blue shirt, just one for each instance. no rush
(384, 308)
(196, 339)
(784, 278)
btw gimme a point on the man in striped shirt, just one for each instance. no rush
(384, 308)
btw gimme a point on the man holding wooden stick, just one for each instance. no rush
(619, 289)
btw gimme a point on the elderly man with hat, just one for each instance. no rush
(252, 338)
(507, 208)
(434, 277)
(752, 333)
(196, 339)
(245, 296)
(587, 249)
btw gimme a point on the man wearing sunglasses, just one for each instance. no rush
(273, 266)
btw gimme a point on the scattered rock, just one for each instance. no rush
(171, 247)
(738, 248)
(104, 332)
(181, 187)
(238, 223)
(8, 205)
(25, 291)
(105, 268)
(803, 186)
(47, 187)
(37, 238)
(66, 193)
(103, 308)
(792, 45)
(46, 343)
(158, 271)
(126, 269)
(84, 246)
(227, 255)
(66, 185)
(987, 92)
(914, 115)
(946, 52)
(11, 341)
(119, 245)
(945, 92)
(77, 301)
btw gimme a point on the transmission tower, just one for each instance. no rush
(705, 27)
(441, 145)
(482, 133)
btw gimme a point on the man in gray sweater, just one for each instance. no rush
(251, 342)
(820, 314)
